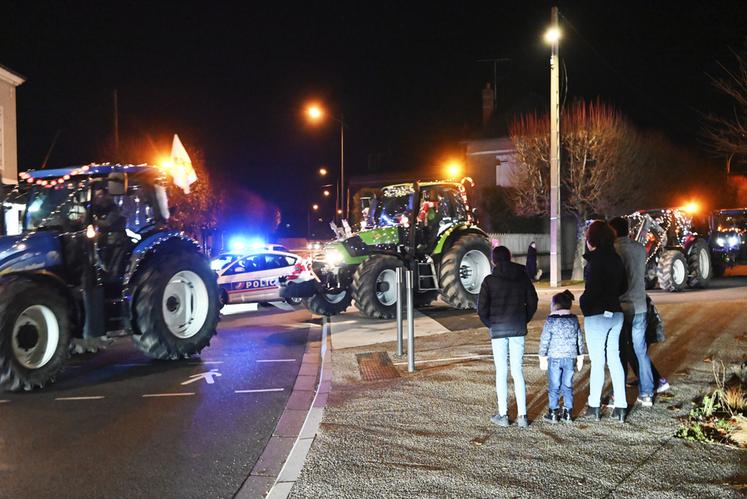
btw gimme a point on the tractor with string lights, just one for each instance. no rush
(96, 258)
(427, 227)
(677, 256)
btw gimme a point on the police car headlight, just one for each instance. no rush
(721, 241)
(333, 258)
(216, 265)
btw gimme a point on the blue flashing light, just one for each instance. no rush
(239, 244)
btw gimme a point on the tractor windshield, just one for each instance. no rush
(54, 207)
(394, 208)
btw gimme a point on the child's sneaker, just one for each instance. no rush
(551, 416)
(566, 417)
(645, 400)
(663, 386)
(499, 420)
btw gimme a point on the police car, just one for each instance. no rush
(255, 277)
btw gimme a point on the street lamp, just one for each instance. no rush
(326, 193)
(454, 169)
(315, 207)
(552, 36)
(322, 171)
(315, 114)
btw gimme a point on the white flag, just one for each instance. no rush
(182, 171)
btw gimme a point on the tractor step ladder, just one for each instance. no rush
(427, 279)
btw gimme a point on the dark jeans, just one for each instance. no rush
(627, 352)
(560, 378)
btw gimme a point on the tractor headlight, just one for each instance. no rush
(333, 258)
(733, 241)
(721, 241)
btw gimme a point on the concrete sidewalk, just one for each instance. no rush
(428, 434)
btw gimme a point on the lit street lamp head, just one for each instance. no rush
(314, 112)
(322, 171)
(552, 35)
(314, 207)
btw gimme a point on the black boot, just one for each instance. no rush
(593, 413)
(551, 416)
(566, 417)
(619, 414)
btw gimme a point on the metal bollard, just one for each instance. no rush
(410, 323)
(399, 311)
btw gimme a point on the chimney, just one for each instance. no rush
(487, 104)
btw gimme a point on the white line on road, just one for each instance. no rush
(179, 394)
(4, 401)
(277, 360)
(95, 397)
(260, 390)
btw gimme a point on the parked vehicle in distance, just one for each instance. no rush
(255, 277)
(728, 238)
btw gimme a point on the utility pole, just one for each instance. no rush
(116, 126)
(555, 212)
(343, 197)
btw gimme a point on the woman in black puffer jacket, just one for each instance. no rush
(605, 281)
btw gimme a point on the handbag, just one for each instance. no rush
(654, 323)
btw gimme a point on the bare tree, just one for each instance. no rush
(727, 134)
(601, 165)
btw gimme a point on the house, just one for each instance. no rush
(491, 161)
(8, 137)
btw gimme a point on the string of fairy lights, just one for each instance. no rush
(662, 225)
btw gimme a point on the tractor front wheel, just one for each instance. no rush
(175, 304)
(699, 262)
(375, 287)
(672, 271)
(463, 268)
(329, 304)
(35, 330)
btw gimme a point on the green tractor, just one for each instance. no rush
(427, 227)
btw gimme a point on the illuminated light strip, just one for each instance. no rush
(277, 360)
(179, 394)
(95, 397)
(260, 390)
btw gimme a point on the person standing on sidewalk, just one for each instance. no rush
(561, 350)
(633, 347)
(532, 261)
(507, 302)
(605, 281)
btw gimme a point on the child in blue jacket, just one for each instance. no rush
(561, 349)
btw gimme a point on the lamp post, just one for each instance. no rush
(552, 36)
(315, 114)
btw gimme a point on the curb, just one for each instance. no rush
(279, 466)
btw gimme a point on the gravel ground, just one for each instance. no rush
(428, 434)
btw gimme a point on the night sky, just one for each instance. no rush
(231, 80)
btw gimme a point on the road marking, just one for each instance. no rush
(207, 376)
(4, 401)
(260, 390)
(179, 394)
(207, 362)
(96, 397)
(277, 360)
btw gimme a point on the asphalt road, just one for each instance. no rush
(117, 424)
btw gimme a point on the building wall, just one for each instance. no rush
(491, 161)
(8, 138)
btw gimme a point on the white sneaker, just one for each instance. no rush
(663, 386)
(646, 401)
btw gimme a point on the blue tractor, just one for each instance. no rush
(96, 258)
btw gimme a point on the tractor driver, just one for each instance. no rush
(111, 223)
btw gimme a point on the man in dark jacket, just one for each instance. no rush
(507, 302)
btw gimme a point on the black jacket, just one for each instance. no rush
(605, 282)
(507, 301)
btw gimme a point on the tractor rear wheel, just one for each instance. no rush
(672, 271)
(175, 304)
(35, 329)
(699, 263)
(375, 286)
(329, 304)
(462, 270)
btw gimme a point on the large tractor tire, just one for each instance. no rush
(175, 303)
(35, 328)
(329, 304)
(375, 286)
(462, 270)
(699, 264)
(672, 271)
(719, 266)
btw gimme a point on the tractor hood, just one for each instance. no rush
(27, 252)
(356, 248)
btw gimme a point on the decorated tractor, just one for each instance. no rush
(427, 227)
(95, 257)
(676, 255)
(728, 238)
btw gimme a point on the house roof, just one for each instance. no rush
(7, 74)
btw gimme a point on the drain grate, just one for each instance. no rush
(375, 366)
